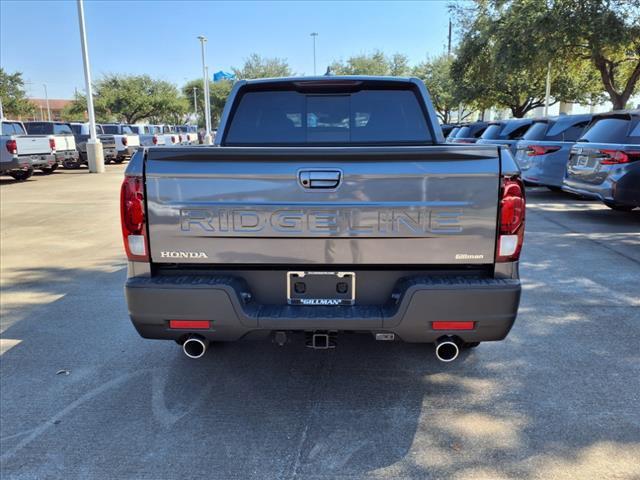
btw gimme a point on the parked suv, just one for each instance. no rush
(470, 133)
(605, 162)
(64, 140)
(505, 132)
(543, 152)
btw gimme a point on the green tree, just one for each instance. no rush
(504, 54)
(132, 98)
(218, 93)
(445, 94)
(376, 63)
(14, 99)
(258, 67)
(606, 33)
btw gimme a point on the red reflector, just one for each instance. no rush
(452, 325)
(190, 324)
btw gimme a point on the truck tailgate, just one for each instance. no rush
(432, 205)
(33, 144)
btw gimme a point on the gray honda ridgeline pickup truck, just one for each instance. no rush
(328, 205)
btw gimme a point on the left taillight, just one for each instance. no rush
(12, 147)
(133, 218)
(52, 143)
(535, 150)
(511, 228)
(124, 141)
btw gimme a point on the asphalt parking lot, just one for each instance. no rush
(84, 397)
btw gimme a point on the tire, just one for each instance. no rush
(554, 189)
(21, 175)
(619, 208)
(119, 160)
(71, 165)
(49, 170)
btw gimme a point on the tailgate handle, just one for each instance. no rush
(319, 178)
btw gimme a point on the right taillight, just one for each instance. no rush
(615, 157)
(133, 218)
(124, 141)
(155, 139)
(12, 147)
(52, 143)
(511, 228)
(173, 139)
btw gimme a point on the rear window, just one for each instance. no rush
(492, 132)
(39, 128)
(536, 131)
(453, 132)
(12, 129)
(136, 129)
(110, 129)
(62, 129)
(294, 118)
(607, 130)
(77, 129)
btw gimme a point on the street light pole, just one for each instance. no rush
(547, 94)
(195, 102)
(95, 155)
(205, 81)
(46, 99)
(314, 35)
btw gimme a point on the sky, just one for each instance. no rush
(41, 39)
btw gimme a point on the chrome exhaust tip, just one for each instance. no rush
(195, 347)
(447, 349)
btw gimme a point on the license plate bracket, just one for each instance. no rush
(321, 288)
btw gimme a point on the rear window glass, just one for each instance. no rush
(464, 132)
(77, 129)
(453, 132)
(607, 130)
(294, 118)
(110, 129)
(492, 132)
(536, 131)
(62, 129)
(12, 129)
(39, 128)
(515, 131)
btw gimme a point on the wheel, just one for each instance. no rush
(470, 344)
(119, 160)
(619, 208)
(554, 189)
(21, 175)
(71, 164)
(49, 170)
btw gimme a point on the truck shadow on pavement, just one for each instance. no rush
(84, 397)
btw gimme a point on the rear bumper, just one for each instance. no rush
(602, 192)
(67, 156)
(224, 300)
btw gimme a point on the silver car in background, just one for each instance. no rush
(505, 132)
(605, 162)
(544, 150)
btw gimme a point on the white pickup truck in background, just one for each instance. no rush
(64, 140)
(188, 134)
(127, 141)
(150, 135)
(20, 153)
